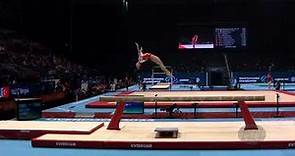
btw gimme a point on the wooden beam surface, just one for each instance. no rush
(140, 98)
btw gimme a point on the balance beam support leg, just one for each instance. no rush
(116, 118)
(248, 118)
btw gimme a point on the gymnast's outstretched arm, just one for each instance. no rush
(139, 49)
(140, 54)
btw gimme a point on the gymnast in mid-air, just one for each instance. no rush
(143, 57)
(194, 40)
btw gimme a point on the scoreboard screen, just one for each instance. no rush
(230, 37)
(211, 37)
(134, 108)
(28, 108)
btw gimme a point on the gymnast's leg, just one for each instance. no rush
(158, 61)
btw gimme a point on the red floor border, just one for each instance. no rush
(167, 145)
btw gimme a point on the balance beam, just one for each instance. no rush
(161, 86)
(141, 98)
(115, 121)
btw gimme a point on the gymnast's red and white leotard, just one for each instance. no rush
(144, 57)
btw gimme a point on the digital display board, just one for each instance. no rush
(28, 108)
(230, 37)
(134, 108)
(211, 36)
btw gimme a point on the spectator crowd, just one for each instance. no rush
(26, 61)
